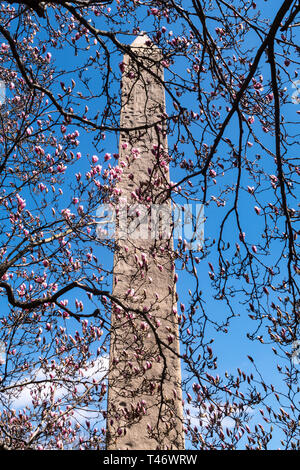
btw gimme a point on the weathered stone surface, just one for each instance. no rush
(144, 398)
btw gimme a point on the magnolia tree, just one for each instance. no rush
(231, 89)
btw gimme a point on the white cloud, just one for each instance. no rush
(97, 371)
(196, 414)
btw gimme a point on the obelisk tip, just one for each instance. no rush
(141, 40)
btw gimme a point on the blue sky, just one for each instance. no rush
(233, 347)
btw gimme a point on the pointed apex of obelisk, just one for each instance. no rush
(141, 40)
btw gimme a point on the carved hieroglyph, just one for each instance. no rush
(144, 393)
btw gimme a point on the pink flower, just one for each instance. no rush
(254, 249)
(251, 119)
(122, 67)
(21, 202)
(61, 168)
(257, 210)
(95, 158)
(107, 157)
(135, 152)
(170, 339)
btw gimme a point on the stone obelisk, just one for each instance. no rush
(144, 393)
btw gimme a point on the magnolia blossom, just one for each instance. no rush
(122, 66)
(21, 202)
(257, 210)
